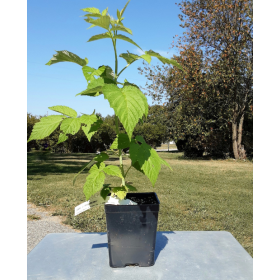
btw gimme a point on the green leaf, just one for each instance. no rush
(129, 57)
(103, 21)
(120, 192)
(66, 56)
(147, 158)
(122, 11)
(88, 119)
(101, 157)
(92, 15)
(122, 28)
(91, 10)
(94, 127)
(113, 171)
(122, 37)
(88, 73)
(100, 36)
(121, 142)
(105, 191)
(89, 164)
(62, 137)
(137, 166)
(93, 88)
(131, 188)
(90, 129)
(70, 126)
(104, 12)
(64, 110)
(101, 70)
(147, 57)
(118, 14)
(108, 74)
(93, 25)
(45, 127)
(94, 181)
(128, 104)
(165, 163)
(164, 59)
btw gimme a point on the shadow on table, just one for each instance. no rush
(161, 242)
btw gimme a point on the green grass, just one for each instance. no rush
(199, 195)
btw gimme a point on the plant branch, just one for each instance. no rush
(126, 67)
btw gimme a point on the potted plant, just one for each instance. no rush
(132, 227)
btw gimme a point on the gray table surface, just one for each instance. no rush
(192, 255)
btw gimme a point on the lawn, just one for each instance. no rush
(198, 195)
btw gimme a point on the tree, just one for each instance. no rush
(216, 53)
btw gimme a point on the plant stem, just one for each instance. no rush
(116, 118)
(126, 67)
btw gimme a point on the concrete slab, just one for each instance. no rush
(192, 255)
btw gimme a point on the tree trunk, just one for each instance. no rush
(241, 151)
(234, 140)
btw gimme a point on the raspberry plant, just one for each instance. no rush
(128, 102)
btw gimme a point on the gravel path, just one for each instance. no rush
(38, 229)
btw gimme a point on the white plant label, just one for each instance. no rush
(82, 207)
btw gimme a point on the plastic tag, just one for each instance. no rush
(82, 207)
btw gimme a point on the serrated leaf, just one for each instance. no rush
(66, 56)
(89, 164)
(122, 37)
(101, 157)
(147, 158)
(45, 127)
(122, 28)
(131, 188)
(122, 11)
(64, 110)
(70, 126)
(94, 181)
(100, 36)
(103, 21)
(104, 12)
(62, 137)
(121, 142)
(105, 191)
(128, 104)
(113, 171)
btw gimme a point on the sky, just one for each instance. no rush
(59, 25)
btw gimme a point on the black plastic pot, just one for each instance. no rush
(131, 230)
